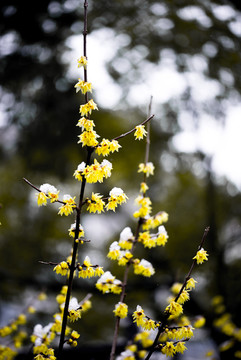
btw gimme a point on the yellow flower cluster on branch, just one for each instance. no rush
(47, 191)
(108, 283)
(121, 310)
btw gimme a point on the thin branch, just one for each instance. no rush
(34, 187)
(132, 130)
(78, 215)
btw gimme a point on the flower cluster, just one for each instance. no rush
(97, 204)
(95, 172)
(46, 192)
(140, 318)
(121, 310)
(108, 283)
(153, 240)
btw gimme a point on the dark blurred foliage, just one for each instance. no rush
(38, 141)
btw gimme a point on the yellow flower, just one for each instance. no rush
(72, 230)
(180, 347)
(190, 284)
(124, 258)
(82, 61)
(201, 256)
(162, 236)
(74, 310)
(145, 209)
(68, 207)
(114, 251)
(99, 271)
(140, 132)
(117, 196)
(85, 124)
(88, 107)
(62, 268)
(149, 324)
(108, 283)
(88, 138)
(144, 187)
(143, 268)
(139, 316)
(147, 168)
(199, 322)
(121, 310)
(86, 305)
(97, 172)
(106, 147)
(168, 349)
(95, 204)
(78, 172)
(86, 270)
(83, 86)
(42, 199)
(174, 309)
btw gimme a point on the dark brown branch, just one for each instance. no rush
(132, 130)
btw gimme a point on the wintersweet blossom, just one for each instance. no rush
(83, 86)
(190, 284)
(108, 283)
(153, 222)
(72, 230)
(116, 197)
(82, 61)
(72, 341)
(47, 191)
(62, 268)
(126, 238)
(144, 187)
(88, 138)
(161, 236)
(96, 172)
(124, 257)
(85, 124)
(144, 338)
(41, 334)
(147, 168)
(180, 347)
(140, 132)
(143, 268)
(78, 172)
(69, 205)
(201, 256)
(174, 309)
(145, 209)
(87, 269)
(147, 240)
(121, 310)
(139, 316)
(199, 322)
(74, 309)
(114, 251)
(88, 107)
(105, 147)
(95, 204)
(168, 349)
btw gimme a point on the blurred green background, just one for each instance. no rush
(40, 42)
